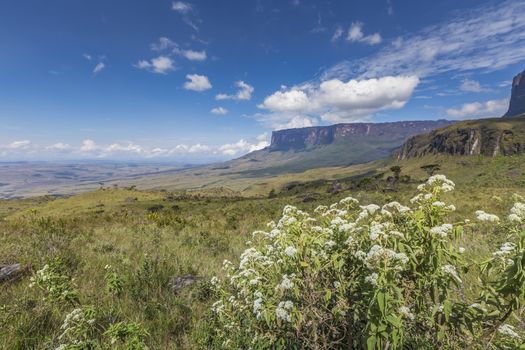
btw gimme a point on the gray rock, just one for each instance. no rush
(12, 272)
(181, 282)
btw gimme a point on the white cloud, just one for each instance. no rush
(59, 147)
(242, 146)
(189, 15)
(18, 145)
(488, 38)
(355, 34)
(87, 56)
(336, 101)
(160, 65)
(337, 33)
(88, 145)
(219, 111)
(244, 93)
(487, 109)
(197, 82)
(90, 149)
(99, 67)
(194, 55)
(294, 100)
(163, 44)
(166, 45)
(468, 85)
(182, 7)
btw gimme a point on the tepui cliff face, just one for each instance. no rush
(491, 137)
(487, 137)
(305, 138)
(517, 98)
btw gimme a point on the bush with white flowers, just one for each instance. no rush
(354, 276)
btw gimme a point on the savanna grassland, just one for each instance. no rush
(116, 253)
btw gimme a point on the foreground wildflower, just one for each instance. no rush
(366, 276)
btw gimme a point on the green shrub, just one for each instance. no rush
(372, 277)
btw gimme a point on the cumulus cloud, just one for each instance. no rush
(336, 101)
(244, 92)
(169, 47)
(88, 145)
(194, 55)
(18, 145)
(355, 34)
(197, 82)
(219, 111)
(487, 38)
(486, 109)
(243, 146)
(59, 146)
(182, 7)
(468, 85)
(160, 65)
(89, 149)
(163, 44)
(99, 67)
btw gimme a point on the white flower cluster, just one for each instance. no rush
(451, 270)
(286, 283)
(378, 256)
(483, 216)
(506, 249)
(438, 183)
(75, 328)
(283, 311)
(442, 230)
(517, 212)
(406, 312)
(509, 331)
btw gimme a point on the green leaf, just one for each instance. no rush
(394, 320)
(381, 301)
(371, 343)
(327, 295)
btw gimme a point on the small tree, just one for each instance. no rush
(431, 169)
(396, 169)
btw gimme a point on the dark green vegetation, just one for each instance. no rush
(152, 237)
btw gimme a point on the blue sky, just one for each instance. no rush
(208, 80)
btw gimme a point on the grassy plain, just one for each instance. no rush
(149, 237)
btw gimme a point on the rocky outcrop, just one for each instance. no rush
(491, 137)
(304, 138)
(517, 98)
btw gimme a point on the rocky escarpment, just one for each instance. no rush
(305, 138)
(517, 99)
(489, 137)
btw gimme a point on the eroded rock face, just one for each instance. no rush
(302, 138)
(464, 141)
(517, 98)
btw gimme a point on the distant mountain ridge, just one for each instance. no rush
(309, 137)
(297, 150)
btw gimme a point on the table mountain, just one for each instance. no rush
(517, 97)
